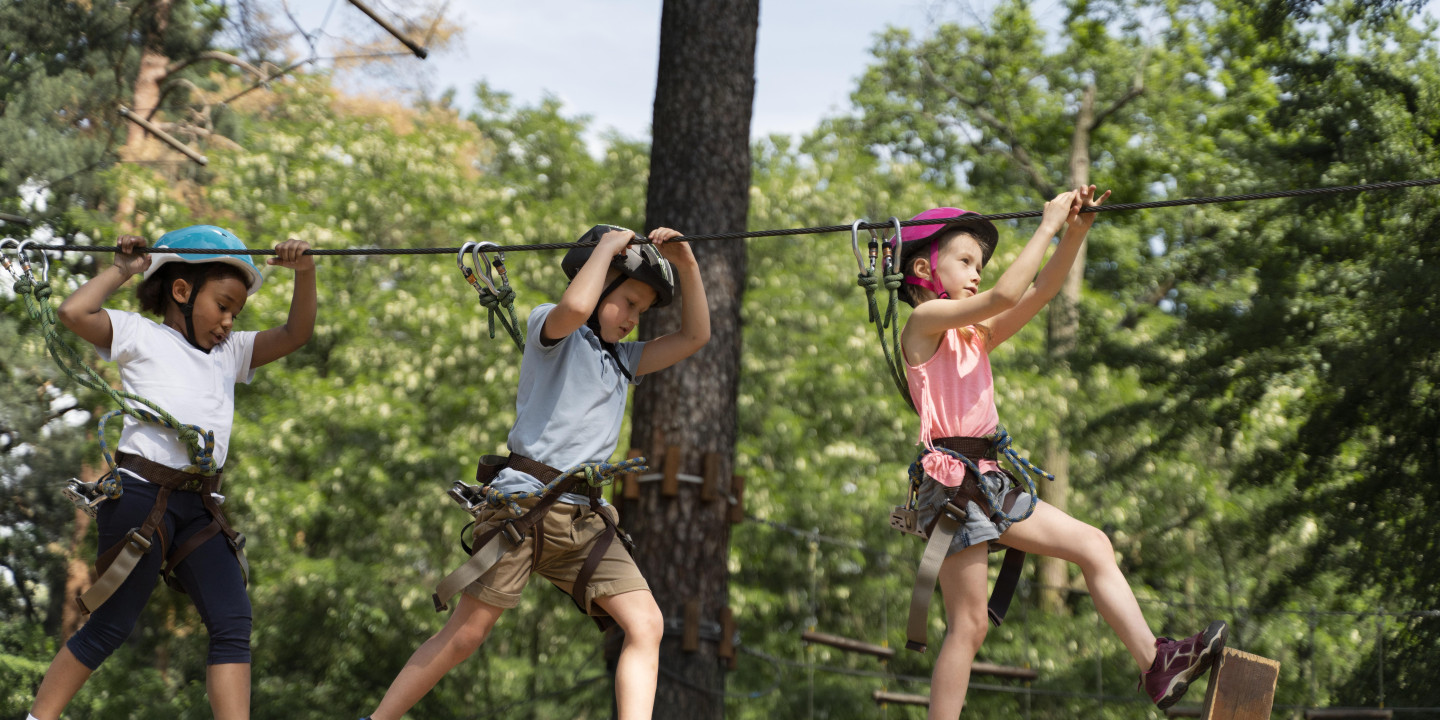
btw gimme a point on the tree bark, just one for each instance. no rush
(699, 182)
(145, 101)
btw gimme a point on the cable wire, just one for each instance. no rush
(819, 230)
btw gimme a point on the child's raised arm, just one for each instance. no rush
(279, 341)
(933, 318)
(694, 332)
(83, 311)
(583, 293)
(1051, 278)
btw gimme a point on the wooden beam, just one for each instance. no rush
(848, 645)
(883, 697)
(1242, 687)
(1003, 671)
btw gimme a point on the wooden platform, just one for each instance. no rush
(1242, 687)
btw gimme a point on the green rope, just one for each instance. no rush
(499, 300)
(500, 305)
(200, 443)
(894, 358)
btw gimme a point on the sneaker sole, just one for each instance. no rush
(1214, 638)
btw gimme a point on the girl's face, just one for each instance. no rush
(620, 310)
(958, 266)
(220, 302)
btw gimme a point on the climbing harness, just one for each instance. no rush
(498, 300)
(891, 277)
(586, 478)
(118, 561)
(905, 518)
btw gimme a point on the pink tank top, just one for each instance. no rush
(955, 396)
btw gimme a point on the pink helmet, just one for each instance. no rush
(915, 238)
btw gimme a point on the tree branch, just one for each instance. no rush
(1016, 151)
(1137, 88)
(217, 56)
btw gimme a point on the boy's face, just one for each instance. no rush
(220, 302)
(620, 310)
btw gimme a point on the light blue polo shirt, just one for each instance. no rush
(570, 403)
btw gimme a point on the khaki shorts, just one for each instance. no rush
(570, 532)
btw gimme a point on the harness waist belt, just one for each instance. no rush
(491, 465)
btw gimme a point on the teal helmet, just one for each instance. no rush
(206, 237)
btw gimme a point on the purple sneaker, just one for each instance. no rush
(1180, 662)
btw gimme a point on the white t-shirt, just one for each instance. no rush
(157, 363)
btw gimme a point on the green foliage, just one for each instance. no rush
(1251, 408)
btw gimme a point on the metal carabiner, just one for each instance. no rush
(6, 261)
(472, 276)
(481, 258)
(893, 248)
(25, 262)
(855, 246)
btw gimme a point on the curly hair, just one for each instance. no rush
(154, 292)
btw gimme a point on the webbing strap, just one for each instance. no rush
(486, 554)
(587, 571)
(131, 549)
(946, 525)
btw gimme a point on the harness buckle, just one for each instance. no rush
(86, 495)
(906, 520)
(134, 538)
(512, 533)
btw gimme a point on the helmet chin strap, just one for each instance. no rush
(594, 324)
(187, 309)
(931, 283)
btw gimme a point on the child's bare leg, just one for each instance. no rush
(635, 674)
(228, 686)
(459, 639)
(1052, 533)
(963, 581)
(64, 678)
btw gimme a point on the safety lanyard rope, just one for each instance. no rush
(35, 293)
(498, 300)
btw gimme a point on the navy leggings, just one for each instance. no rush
(210, 575)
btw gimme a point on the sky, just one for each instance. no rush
(599, 57)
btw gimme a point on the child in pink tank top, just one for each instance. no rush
(946, 345)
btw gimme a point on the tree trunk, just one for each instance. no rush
(1063, 323)
(145, 101)
(699, 182)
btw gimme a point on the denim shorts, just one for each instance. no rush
(977, 527)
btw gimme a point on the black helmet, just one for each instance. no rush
(640, 262)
